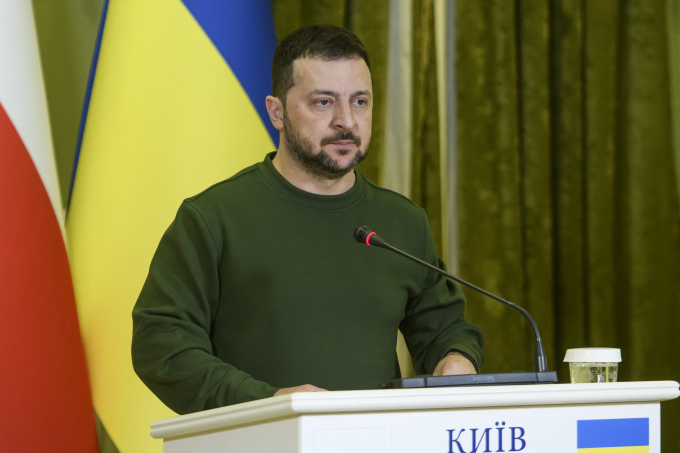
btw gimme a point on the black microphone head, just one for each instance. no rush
(367, 236)
(361, 233)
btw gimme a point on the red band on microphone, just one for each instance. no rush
(369, 237)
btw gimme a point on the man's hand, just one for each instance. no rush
(299, 389)
(454, 363)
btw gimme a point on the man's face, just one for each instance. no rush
(327, 119)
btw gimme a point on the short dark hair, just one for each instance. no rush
(327, 42)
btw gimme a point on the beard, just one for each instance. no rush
(320, 164)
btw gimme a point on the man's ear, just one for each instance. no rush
(275, 110)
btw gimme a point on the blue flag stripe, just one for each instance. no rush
(607, 433)
(243, 33)
(86, 102)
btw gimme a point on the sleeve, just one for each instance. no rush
(172, 352)
(435, 322)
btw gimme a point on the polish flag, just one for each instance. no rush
(45, 400)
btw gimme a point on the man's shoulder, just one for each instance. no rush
(381, 195)
(231, 186)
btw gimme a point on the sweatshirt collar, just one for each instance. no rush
(284, 188)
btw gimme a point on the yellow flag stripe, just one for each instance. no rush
(644, 449)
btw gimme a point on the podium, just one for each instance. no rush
(529, 418)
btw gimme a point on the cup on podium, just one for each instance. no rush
(593, 365)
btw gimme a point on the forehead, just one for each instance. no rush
(337, 75)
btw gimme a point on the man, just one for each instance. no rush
(258, 287)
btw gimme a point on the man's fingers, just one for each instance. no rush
(454, 363)
(299, 389)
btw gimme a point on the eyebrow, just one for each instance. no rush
(334, 93)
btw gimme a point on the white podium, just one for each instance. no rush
(543, 418)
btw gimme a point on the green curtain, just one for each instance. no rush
(426, 184)
(674, 51)
(567, 190)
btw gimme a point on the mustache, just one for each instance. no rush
(342, 135)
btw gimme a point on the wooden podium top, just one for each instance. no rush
(412, 400)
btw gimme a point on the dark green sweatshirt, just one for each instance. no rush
(258, 285)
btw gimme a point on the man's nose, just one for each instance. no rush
(343, 117)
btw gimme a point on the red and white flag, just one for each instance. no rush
(45, 400)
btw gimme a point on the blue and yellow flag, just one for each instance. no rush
(176, 103)
(622, 435)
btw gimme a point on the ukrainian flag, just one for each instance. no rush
(622, 435)
(176, 104)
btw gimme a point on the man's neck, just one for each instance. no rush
(304, 180)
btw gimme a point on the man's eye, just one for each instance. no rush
(323, 102)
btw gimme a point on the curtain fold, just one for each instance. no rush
(396, 162)
(488, 191)
(426, 157)
(535, 170)
(601, 91)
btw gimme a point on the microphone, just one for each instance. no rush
(364, 235)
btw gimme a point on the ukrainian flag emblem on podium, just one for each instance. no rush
(619, 435)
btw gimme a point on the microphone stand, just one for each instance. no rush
(540, 376)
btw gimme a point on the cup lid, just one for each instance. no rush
(602, 355)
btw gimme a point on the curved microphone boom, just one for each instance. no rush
(364, 235)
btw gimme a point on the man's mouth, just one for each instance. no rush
(342, 139)
(343, 142)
